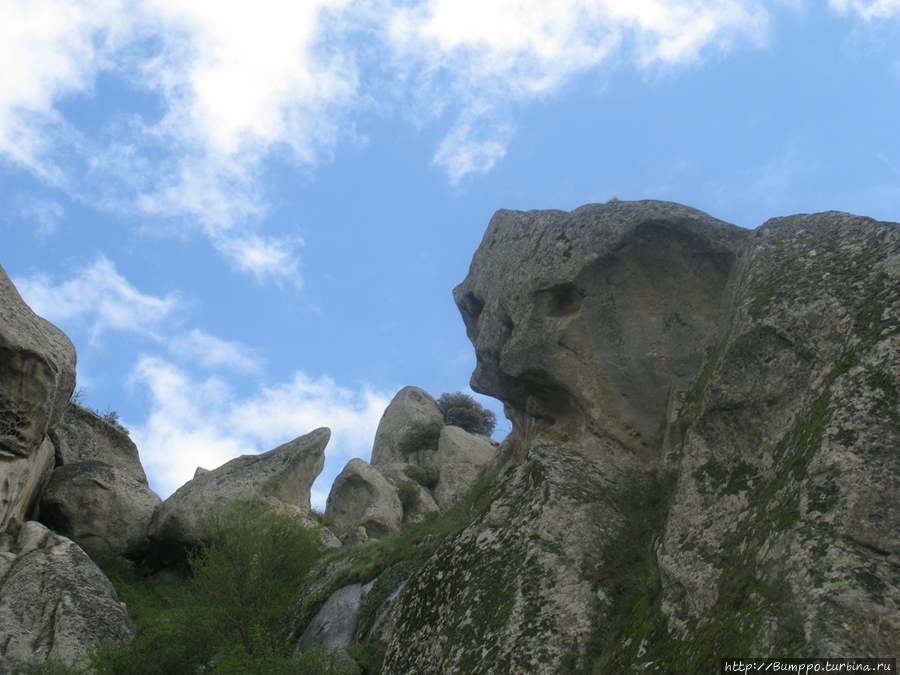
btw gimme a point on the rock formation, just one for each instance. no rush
(55, 603)
(98, 495)
(704, 453)
(102, 508)
(703, 463)
(362, 497)
(410, 406)
(37, 377)
(280, 478)
(419, 466)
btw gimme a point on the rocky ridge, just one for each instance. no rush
(703, 460)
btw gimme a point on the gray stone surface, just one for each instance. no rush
(85, 436)
(589, 320)
(37, 377)
(461, 456)
(55, 604)
(409, 406)
(362, 497)
(103, 509)
(335, 624)
(704, 449)
(280, 477)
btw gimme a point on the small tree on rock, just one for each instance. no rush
(461, 410)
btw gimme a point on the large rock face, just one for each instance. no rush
(704, 458)
(37, 377)
(55, 604)
(590, 320)
(279, 478)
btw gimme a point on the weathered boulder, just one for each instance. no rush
(85, 436)
(102, 508)
(279, 478)
(362, 497)
(37, 377)
(55, 604)
(409, 407)
(461, 457)
(21, 480)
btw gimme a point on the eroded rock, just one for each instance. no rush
(461, 457)
(37, 377)
(85, 436)
(103, 509)
(55, 604)
(362, 497)
(279, 478)
(410, 406)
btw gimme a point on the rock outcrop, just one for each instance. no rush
(409, 407)
(105, 510)
(55, 603)
(280, 478)
(704, 451)
(37, 378)
(460, 459)
(85, 436)
(362, 497)
(98, 495)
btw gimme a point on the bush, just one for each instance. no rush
(249, 573)
(426, 476)
(461, 410)
(421, 435)
(408, 491)
(234, 615)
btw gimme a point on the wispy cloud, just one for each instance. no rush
(868, 9)
(46, 213)
(200, 422)
(214, 352)
(99, 298)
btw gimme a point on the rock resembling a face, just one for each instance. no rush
(596, 320)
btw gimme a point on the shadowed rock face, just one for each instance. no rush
(593, 320)
(37, 377)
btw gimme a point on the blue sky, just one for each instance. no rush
(249, 217)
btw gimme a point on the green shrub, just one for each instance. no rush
(420, 435)
(408, 491)
(234, 615)
(249, 572)
(461, 410)
(426, 476)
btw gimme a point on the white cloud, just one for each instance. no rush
(197, 422)
(46, 213)
(213, 352)
(99, 297)
(239, 81)
(51, 48)
(868, 9)
(264, 257)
